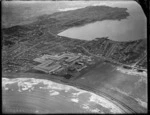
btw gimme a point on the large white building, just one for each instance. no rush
(47, 69)
(47, 61)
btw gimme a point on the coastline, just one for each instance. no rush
(119, 104)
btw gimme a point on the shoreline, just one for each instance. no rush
(116, 102)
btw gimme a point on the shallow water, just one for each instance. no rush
(30, 95)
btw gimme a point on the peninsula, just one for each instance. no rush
(36, 48)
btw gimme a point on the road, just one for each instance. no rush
(26, 50)
(34, 45)
(139, 60)
(102, 57)
(108, 59)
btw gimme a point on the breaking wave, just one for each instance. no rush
(86, 100)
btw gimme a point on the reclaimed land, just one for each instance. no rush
(23, 43)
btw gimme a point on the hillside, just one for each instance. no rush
(42, 35)
(62, 20)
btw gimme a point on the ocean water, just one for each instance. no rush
(30, 95)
